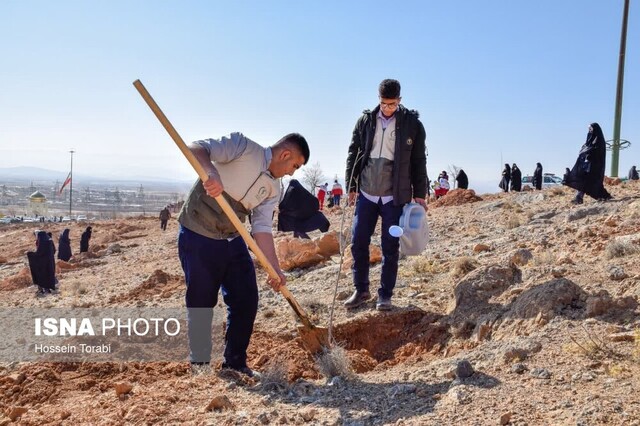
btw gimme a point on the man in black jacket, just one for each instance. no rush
(387, 165)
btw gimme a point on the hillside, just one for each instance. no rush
(523, 310)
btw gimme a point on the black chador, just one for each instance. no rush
(537, 177)
(84, 240)
(516, 178)
(299, 212)
(587, 175)
(462, 180)
(41, 263)
(506, 177)
(64, 246)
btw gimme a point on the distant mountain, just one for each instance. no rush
(26, 175)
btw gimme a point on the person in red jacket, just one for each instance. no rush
(336, 192)
(322, 191)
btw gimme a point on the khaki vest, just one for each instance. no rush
(246, 183)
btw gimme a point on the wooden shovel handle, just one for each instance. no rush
(221, 200)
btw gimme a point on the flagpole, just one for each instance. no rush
(71, 184)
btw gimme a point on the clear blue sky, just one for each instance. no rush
(512, 80)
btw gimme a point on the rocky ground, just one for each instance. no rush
(523, 310)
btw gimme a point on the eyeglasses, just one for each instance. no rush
(389, 105)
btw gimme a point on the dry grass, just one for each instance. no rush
(594, 347)
(274, 375)
(512, 222)
(334, 363)
(544, 258)
(636, 347)
(463, 266)
(421, 265)
(618, 248)
(556, 190)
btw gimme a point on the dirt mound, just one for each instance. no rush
(158, 283)
(457, 197)
(549, 298)
(20, 280)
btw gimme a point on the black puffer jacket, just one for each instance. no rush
(410, 159)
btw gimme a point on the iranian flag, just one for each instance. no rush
(67, 181)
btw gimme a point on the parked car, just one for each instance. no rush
(81, 218)
(548, 180)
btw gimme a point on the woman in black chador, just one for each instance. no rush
(299, 212)
(587, 175)
(506, 176)
(84, 240)
(41, 264)
(64, 246)
(516, 178)
(462, 180)
(537, 177)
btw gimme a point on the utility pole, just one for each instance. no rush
(71, 184)
(615, 145)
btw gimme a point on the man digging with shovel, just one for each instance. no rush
(212, 254)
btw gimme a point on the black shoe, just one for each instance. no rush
(384, 303)
(357, 298)
(242, 370)
(577, 201)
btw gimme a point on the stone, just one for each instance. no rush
(480, 248)
(521, 257)
(220, 402)
(519, 368)
(16, 378)
(505, 418)
(616, 273)
(540, 373)
(123, 388)
(464, 369)
(308, 414)
(15, 412)
(623, 337)
(328, 244)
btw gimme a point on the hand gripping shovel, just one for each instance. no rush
(314, 338)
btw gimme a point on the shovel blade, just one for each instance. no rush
(314, 339)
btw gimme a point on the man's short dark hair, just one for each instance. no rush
(297, 140)
(389, 89)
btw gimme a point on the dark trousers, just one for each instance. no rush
(163, 224)
(209, 265)
(364, 224)
(336, 200)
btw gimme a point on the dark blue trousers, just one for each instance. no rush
(364, 224)
(208, 266)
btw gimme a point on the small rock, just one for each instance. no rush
(519, 368)
(521, 257)
(64, 414)
(480, 248)
(611, 221)
(14, 412)
(505, 418)
(464, 369)
(220, 402)
(540, 373)
(616, 273)
(123, 388)
(264, 418)
(16, 378)
(308, 414)
(343, 295)
(558, 272)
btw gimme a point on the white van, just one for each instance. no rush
(548, 180)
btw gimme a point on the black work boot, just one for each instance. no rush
(357, 298)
